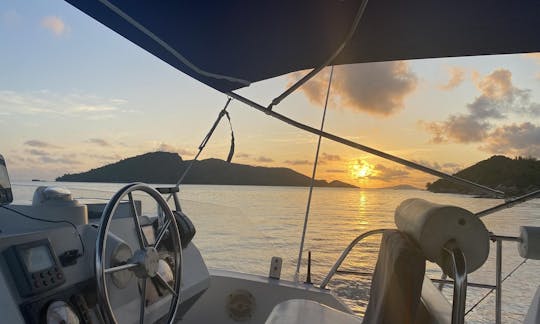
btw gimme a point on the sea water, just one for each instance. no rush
(241, 228)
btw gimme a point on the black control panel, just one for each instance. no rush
(34, 267)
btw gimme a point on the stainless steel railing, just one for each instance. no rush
(458, 309)
(346, 252)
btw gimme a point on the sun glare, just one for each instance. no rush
(361, 169)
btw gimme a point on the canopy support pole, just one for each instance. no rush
(367, 149)
(318, 69)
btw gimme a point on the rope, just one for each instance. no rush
(492, 289)
(297, 273)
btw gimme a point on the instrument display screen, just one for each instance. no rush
(34, 266)
(37, 258)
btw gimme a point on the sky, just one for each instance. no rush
(74, 96)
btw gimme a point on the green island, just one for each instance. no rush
(165, 167)
(515, 176)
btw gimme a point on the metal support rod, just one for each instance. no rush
(176, 201)
(312, 183)
(347, 251)
(440, 281)
(494, 237)
(316, 70)
(498, 283)
(364, 148)
(460, 282)
(510, 203)
(470, 284)
(203, 143)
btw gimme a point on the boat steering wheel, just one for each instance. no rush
(145, 261)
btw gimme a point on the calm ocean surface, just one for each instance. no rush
(241, 227)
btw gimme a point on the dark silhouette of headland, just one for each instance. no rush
(513, 176)
(165, 167)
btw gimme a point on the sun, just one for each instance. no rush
(361, 169)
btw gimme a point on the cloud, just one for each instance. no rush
(98, 141)
(457, 76)
(94, 108)
(60, 105)
(296, 162)
(515, 139)
(498, 99)
(331, 157)
(457, 128)
(37, 152)
(448, 167)
(242, 155)
(375, 88)
(496, 85)
(336, 171)
(37, 156)
(54, 25)
(41, 144)
(383, 173)
(112, 157)
(185, 152)
(59, 160)
(164, 147)
(362, 170)
(264, 159)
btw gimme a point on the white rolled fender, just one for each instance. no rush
(432, 226)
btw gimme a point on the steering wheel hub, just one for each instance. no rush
(148, 261)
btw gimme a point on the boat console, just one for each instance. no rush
(48, 262)
(5, 187)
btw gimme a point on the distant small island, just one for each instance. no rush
(165, 167)
(513, 176)
(402, 187)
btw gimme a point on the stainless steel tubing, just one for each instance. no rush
(498, 283)
(346, 252)
(460, 282)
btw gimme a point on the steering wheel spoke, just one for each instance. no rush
(162, 232)
(145, 260)
(121, 267)
(166, 284)
(143, 301)
(138, 228)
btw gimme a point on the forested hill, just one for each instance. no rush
(513, 176)
(164, 167)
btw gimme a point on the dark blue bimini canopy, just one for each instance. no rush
(228, 44)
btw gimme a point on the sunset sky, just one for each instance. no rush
(74, 95)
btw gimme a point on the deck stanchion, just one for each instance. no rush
(498, 283)
(460, 282)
